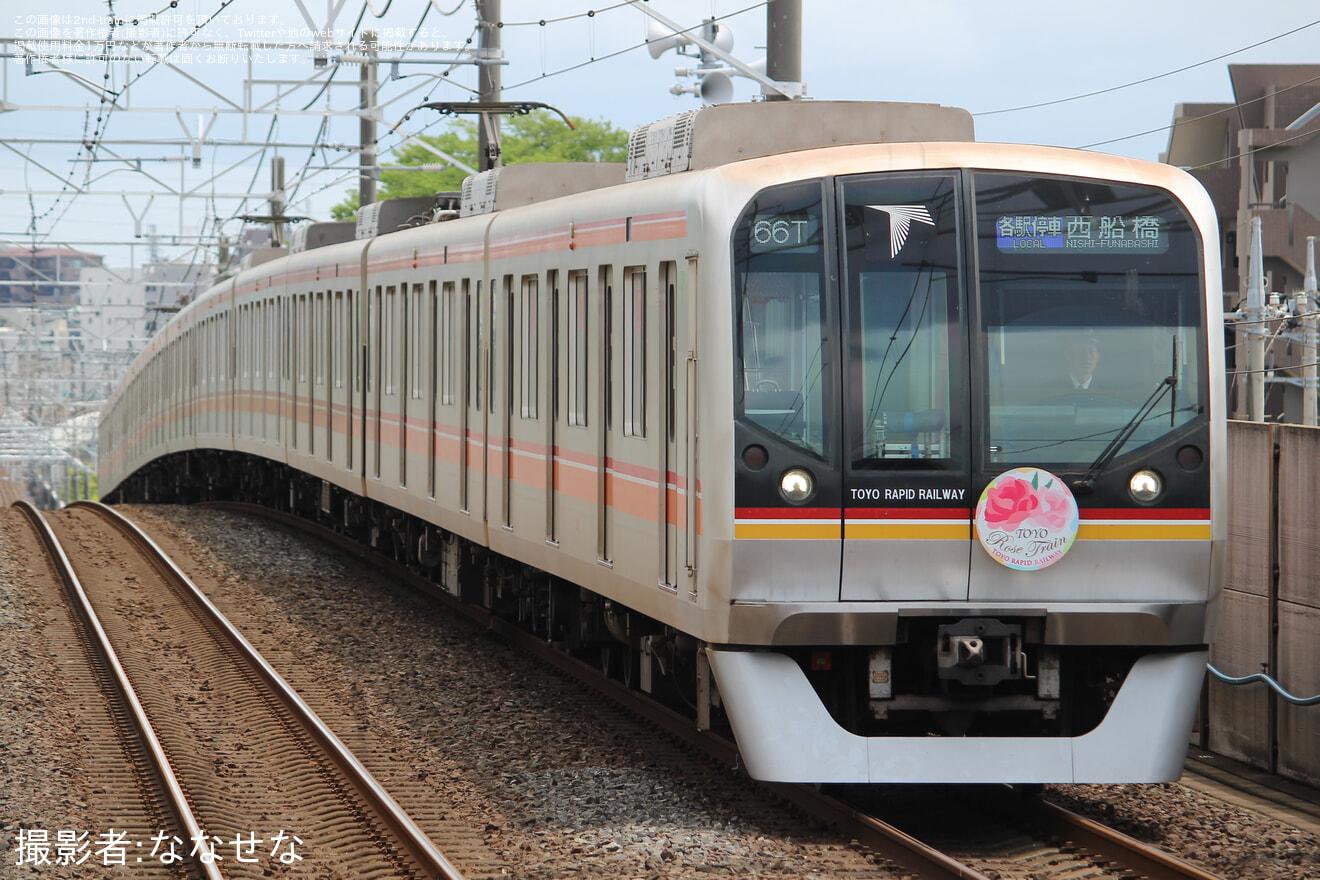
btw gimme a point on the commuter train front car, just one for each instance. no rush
(905, 452)
(972, 474)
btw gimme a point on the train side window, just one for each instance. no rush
(474, 325)
(466, 358)
(327, 336)
(448, 345)
(389, 323)
(318, 339)
(355, 305)
(299, 336)
(272, 325)
(578, 345)
(529, 329)
(552, 354)
(492, 344)
(337, 336)
(634, 351)
(510, 366)
(415, 326)
(244, 344)
(257, 340)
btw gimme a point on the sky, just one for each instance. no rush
(1143, 58)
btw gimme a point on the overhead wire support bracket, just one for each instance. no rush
(487, 110)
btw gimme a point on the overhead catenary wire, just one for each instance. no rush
(595, 59)
(92, 145)
(433, 5)
(1149, 79)
(1181, 122)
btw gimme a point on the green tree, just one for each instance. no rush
(537, 137)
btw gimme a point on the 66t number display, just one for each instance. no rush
(780, 232)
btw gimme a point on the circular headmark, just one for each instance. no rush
(1027, 519)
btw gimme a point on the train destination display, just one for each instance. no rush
(1079, 232)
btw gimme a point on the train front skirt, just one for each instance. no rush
(785, 733)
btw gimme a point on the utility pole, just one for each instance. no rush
(783, 53)
(367, 160)
(490, 55)
(1307, 301)
(1256, 328)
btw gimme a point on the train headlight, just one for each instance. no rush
(796, 485)
(1145, 485)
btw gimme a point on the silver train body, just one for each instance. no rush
(803, 424)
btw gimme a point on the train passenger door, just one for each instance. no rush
(473, 437)
(907, 501)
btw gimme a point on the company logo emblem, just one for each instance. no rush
(901, 218)
(1027, 519)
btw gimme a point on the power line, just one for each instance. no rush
(590, 13)
(1228, 109)
(1149, 78)
(598, 58)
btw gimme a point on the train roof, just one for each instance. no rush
(725, 133)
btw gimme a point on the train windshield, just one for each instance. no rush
(901, 288)
(1090, 317)
(781, 308)
(1077, 322)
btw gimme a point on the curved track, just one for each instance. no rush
(253, 763)
(149, 797)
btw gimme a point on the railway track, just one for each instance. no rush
(226, 758)
(1024, 838)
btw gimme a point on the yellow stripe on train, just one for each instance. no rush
(796, 530)
(791, 530)
(1144, 531)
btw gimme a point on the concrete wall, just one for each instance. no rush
(1239, 715)
(1299, 599)
(1274, 518)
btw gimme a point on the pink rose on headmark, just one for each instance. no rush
(1057, 512)
(1009, 503)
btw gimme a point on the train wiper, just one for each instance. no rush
(1087, 482)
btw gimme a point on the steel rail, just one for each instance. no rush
(1155, 864)
(177, 800)
(413, 839)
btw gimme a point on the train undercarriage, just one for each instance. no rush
(632, 648)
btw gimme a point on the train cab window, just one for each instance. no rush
(1090, 311)
(779, 265)
(901, 293)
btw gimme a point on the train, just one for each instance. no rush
(898, 454)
